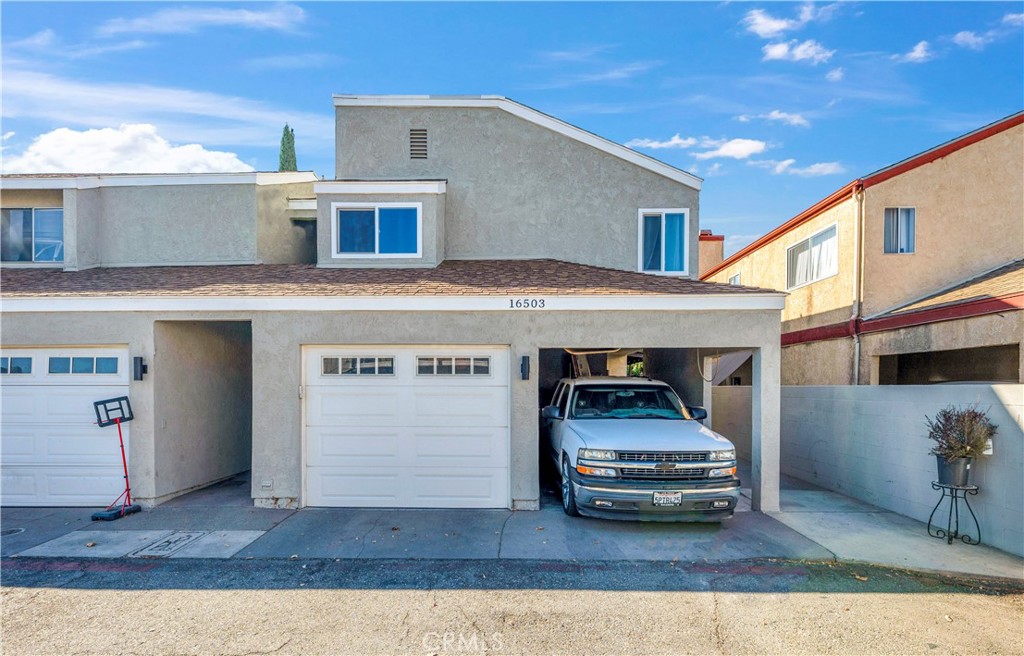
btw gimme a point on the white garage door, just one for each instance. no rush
(407, 427)
(53, 453)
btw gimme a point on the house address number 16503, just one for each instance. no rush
(526, 303)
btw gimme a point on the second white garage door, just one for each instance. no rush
(407, 427)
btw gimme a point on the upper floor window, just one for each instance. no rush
(734, 280)
(899, 230)
(662, 239)
(813, 259)
(372, 230)
(32, 235)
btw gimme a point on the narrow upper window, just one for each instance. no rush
(358, 366)
(15, 365)
(734, 280)
(82, 365)
(377, 230)
(663, 236)
(32, 235)
(418, 143)
(453, 366)
(813, 259)
(899, 230)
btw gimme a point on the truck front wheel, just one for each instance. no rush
(568, 493)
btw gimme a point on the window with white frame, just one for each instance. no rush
(372, 230)
(734, 280)
(32, 234)
(15, 365)
(81, 365)
(899, 230)
(358, 365)
(453, 366)
(813, 259)
(663, 236)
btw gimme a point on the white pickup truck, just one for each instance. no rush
(627, 448)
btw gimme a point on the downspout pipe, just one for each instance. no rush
(858, 274)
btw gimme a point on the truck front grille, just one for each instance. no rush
(687, 474)
(663, 456)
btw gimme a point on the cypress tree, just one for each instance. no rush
(287, 159)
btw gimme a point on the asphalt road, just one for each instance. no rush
(60, 606)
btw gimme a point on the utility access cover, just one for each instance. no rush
(166, 546)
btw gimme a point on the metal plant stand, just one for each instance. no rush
(955, 493)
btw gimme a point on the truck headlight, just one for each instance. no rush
(596, 454)
(721, 473)
(728, 454)
(595, 471)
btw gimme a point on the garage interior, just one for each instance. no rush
(690, 372)
(202, 376)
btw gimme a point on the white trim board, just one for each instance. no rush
(652, 302)
(158, 180)
(527, 114)
(380, 187)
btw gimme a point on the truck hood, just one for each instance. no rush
(648, 435)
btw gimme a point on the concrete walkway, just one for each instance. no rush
(814, 524)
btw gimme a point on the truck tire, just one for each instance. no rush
(568, 493)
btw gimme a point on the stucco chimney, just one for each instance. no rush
(712, 250)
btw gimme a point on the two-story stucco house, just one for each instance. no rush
(913, 274)
(380, 339)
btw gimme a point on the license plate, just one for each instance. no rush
(668, 498)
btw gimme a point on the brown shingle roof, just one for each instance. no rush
(1005, 281)
(451, 278)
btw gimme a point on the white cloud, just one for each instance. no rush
(578, 55)
(127, 149)
(917, 55)
(835, 75)
(809, 50)
(281, 17)
(182, 115)
(766, 26)
(46, 42)
(293, 62)
(8, 135)
(968, 39)
(777, 116)
(780, 167)
(675, 142)
(734, 148)
(714, 169)
(734, 243)
(1013, 19)
(611, 74)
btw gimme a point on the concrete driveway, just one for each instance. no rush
(814, 525)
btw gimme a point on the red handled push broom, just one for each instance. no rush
(114, 412)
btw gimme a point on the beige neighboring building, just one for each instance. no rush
(712, 250)
(910, 275)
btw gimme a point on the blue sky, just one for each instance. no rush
(774, 104)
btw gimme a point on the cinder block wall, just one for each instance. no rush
(870, 443)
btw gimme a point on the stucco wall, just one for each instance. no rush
(278, 337)
(202, 403)
(988, 330)
(132, 329)
(515, 189)
(23, 198)
(276, 370)
(433, 224)
(969, 218)
(730, 416)
(278, 239)
(828, 362)
(871, 443)
(820, 303)
(175, 224)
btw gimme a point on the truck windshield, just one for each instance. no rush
(626, 402)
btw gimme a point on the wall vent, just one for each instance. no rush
(418, 143)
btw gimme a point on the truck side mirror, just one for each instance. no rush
(697, 412)
(551, 412)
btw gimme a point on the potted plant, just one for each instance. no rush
(960, 435)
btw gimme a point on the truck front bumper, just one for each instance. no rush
(707, 501)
